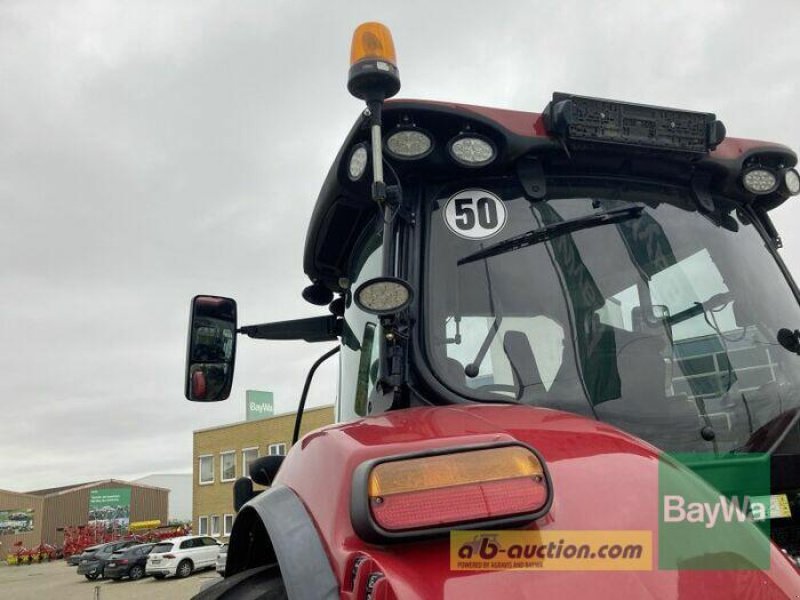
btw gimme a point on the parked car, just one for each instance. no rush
(92, 566)
(222, 558)
(128, 562)
(182, 556)
(75, 559)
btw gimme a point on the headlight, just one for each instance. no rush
(472, 150)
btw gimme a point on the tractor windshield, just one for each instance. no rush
(620, 301)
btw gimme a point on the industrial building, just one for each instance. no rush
(180, 493)
(223, 453)
(40, 516)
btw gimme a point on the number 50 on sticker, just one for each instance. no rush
(475, 214)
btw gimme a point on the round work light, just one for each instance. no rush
(358, 162)
(759, 181)
(383, 295)
(409, 144)
(472, 150)
(791, 179)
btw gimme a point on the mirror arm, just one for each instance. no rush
(313, 329)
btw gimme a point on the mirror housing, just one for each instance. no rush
(210, 349)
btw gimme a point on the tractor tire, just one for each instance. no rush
(185, 568)
(261, 583)
(136, 572)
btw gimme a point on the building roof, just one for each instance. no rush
(77, 486)
(279, 415)
(56, 490)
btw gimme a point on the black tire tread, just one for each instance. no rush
(261, 583)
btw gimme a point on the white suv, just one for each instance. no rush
(181, 556)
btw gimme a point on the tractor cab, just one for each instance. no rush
(607, 266)
(607, 259)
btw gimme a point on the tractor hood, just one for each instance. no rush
(602, 479)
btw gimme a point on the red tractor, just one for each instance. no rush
(537, 315)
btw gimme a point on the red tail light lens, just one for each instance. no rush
(121, 561)
(435, 492)
(169, 556)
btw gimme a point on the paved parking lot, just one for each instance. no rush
(57, 580)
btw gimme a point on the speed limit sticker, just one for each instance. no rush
(475, 214)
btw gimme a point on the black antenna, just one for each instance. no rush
(299, 418)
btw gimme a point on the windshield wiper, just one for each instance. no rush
(536, 236)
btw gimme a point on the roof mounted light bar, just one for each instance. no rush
(597, 121)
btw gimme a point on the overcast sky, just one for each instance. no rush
(150, 151)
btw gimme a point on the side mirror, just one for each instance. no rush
(263, 470)
(211, 349)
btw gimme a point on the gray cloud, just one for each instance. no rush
(152, 151)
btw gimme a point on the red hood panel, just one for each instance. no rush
(603, 479)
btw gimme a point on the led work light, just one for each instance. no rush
(472, 150)
(759, 180)
(357, 164)
(408, 144)
(383, 295)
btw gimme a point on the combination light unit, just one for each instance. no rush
(417, 495)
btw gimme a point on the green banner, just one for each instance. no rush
(110, 507)
(719, 520)
(16, 521)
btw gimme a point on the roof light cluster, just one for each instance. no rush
(762, 180)
(409, 143)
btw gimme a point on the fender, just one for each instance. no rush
(275, 527)
(603, 479)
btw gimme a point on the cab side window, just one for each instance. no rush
(360, 335)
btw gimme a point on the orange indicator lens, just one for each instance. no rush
(372, 41)
(448, 470)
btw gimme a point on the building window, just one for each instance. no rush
(227, 525)
(248, 456)
(215, 525)
(202, 526)
(277, 449)
(206, 469)
(227, 466)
